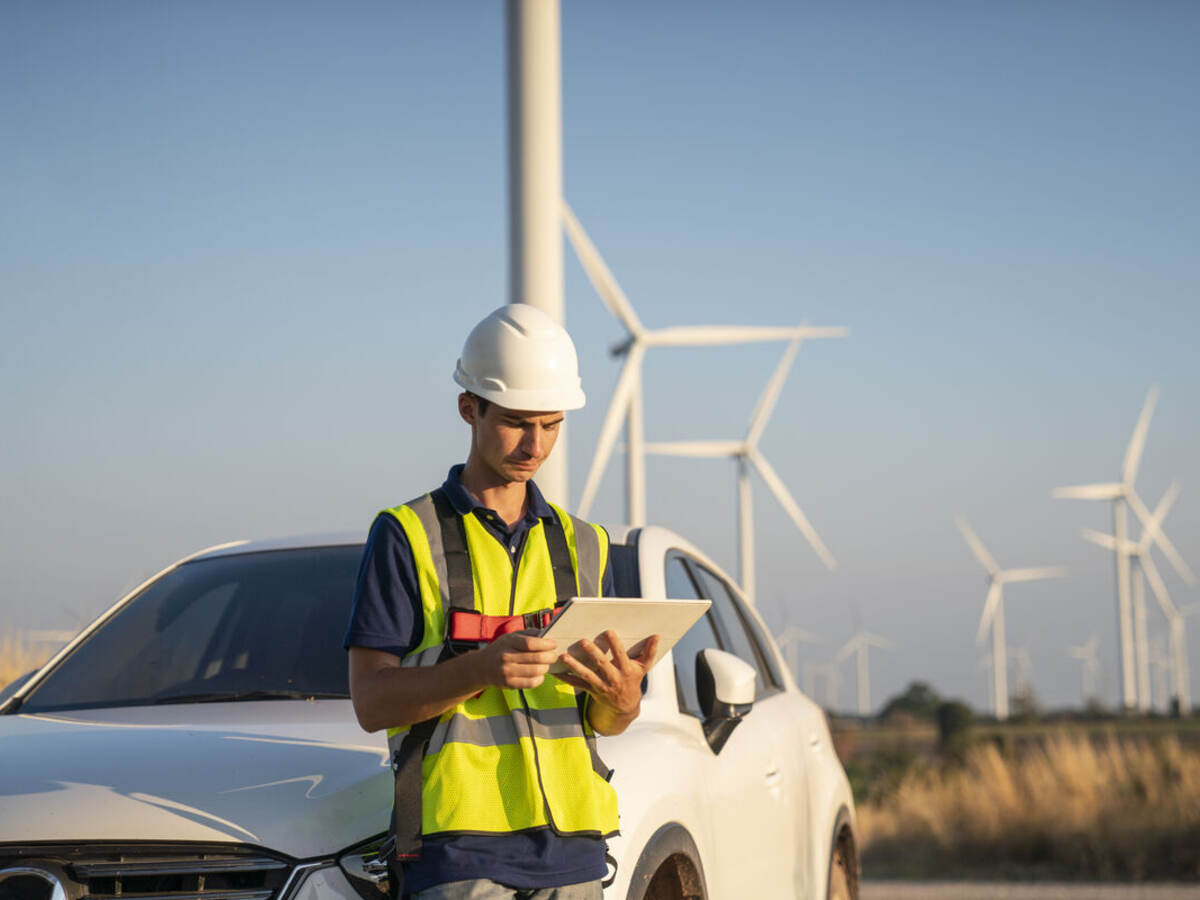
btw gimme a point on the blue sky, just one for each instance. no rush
(241, 243)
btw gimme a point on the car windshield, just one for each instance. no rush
(243, 627)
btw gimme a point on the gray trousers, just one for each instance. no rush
(482, 889)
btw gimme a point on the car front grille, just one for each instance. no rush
(140, 872)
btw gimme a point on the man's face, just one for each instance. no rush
(511, 443)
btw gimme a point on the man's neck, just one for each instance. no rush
(510, 499)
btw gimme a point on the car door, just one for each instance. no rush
(752, 789)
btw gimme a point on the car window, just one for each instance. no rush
(732, 628)
(269, 621)
(680, 586)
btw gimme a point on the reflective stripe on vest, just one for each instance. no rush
(507, 760)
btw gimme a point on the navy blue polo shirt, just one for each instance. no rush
(387, 616)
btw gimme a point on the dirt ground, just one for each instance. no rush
(964, 890)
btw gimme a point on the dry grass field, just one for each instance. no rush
(18, 656)
(1065, 805)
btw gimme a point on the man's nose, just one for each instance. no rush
(532, 444)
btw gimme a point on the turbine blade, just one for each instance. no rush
(1160, 538)
(976, 545)
(1159, 588)
(1137, 443)
(847, 648)
(876, 641)
(775, 483)
(627, 383)
(706, 449)
(1013, 575)
(799, 635)
(598, 273)
(716, 335)
(770, 394)
(994, 597)
(1089, 492)
(1099, 537)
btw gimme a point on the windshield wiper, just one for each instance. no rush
(236, 696)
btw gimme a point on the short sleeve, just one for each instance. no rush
(387, 601)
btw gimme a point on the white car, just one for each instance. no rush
(197, 742)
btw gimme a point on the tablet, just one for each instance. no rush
(633, 619)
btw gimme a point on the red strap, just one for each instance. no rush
(476, 628)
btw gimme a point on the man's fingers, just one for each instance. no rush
(611, 642)
(584, 674)
(526, 643)
(648, 652)
(598, 660)
(542, 658)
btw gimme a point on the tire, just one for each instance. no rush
(844, 874)
(669, 868)
(839, 877)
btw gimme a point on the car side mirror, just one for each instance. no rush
(725, 688)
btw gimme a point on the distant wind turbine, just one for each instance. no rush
(1024, 664)
(993, 611)
(1122, 493)
(626, 403)
(858, 644)
(747, 455)
(1160, 662)
(789, 641)
(814, 671)
(1142, 563)
(1086, 654)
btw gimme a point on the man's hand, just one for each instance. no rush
(614, 682)
(517, 660)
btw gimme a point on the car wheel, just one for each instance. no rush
(839, 878)
(669, 868)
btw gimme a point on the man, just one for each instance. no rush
(500, 793)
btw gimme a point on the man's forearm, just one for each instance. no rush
(386, 695)
(395, 697)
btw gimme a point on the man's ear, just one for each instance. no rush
(467, 408)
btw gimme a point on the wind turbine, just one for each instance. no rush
(1024, 664)
(858, 644)
(1086, 654)
(747, 455)
(1142, 563)
(813, 671)
(1122, 493)
(627, 396)
(1160, 661)
(985, 665)
(789, 641)
(993, 610)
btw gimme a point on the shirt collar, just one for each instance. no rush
(464, 501)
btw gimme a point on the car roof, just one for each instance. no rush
(291, 542)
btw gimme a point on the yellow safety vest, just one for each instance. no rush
(507, 760)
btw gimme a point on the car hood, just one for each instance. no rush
(299, 777)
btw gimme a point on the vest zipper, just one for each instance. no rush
(537, 764)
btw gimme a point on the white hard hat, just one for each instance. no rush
(521, 358)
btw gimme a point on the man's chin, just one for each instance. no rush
(521, 473)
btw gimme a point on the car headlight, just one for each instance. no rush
(365, 871)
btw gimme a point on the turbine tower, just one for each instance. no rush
(993, 611)
(1142, 564)
(1122, 493)
(858, 644)
(828, 671)
(1086, 654)
(626, 402)
(789, 641)
(747, 455)
(1024, 666)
